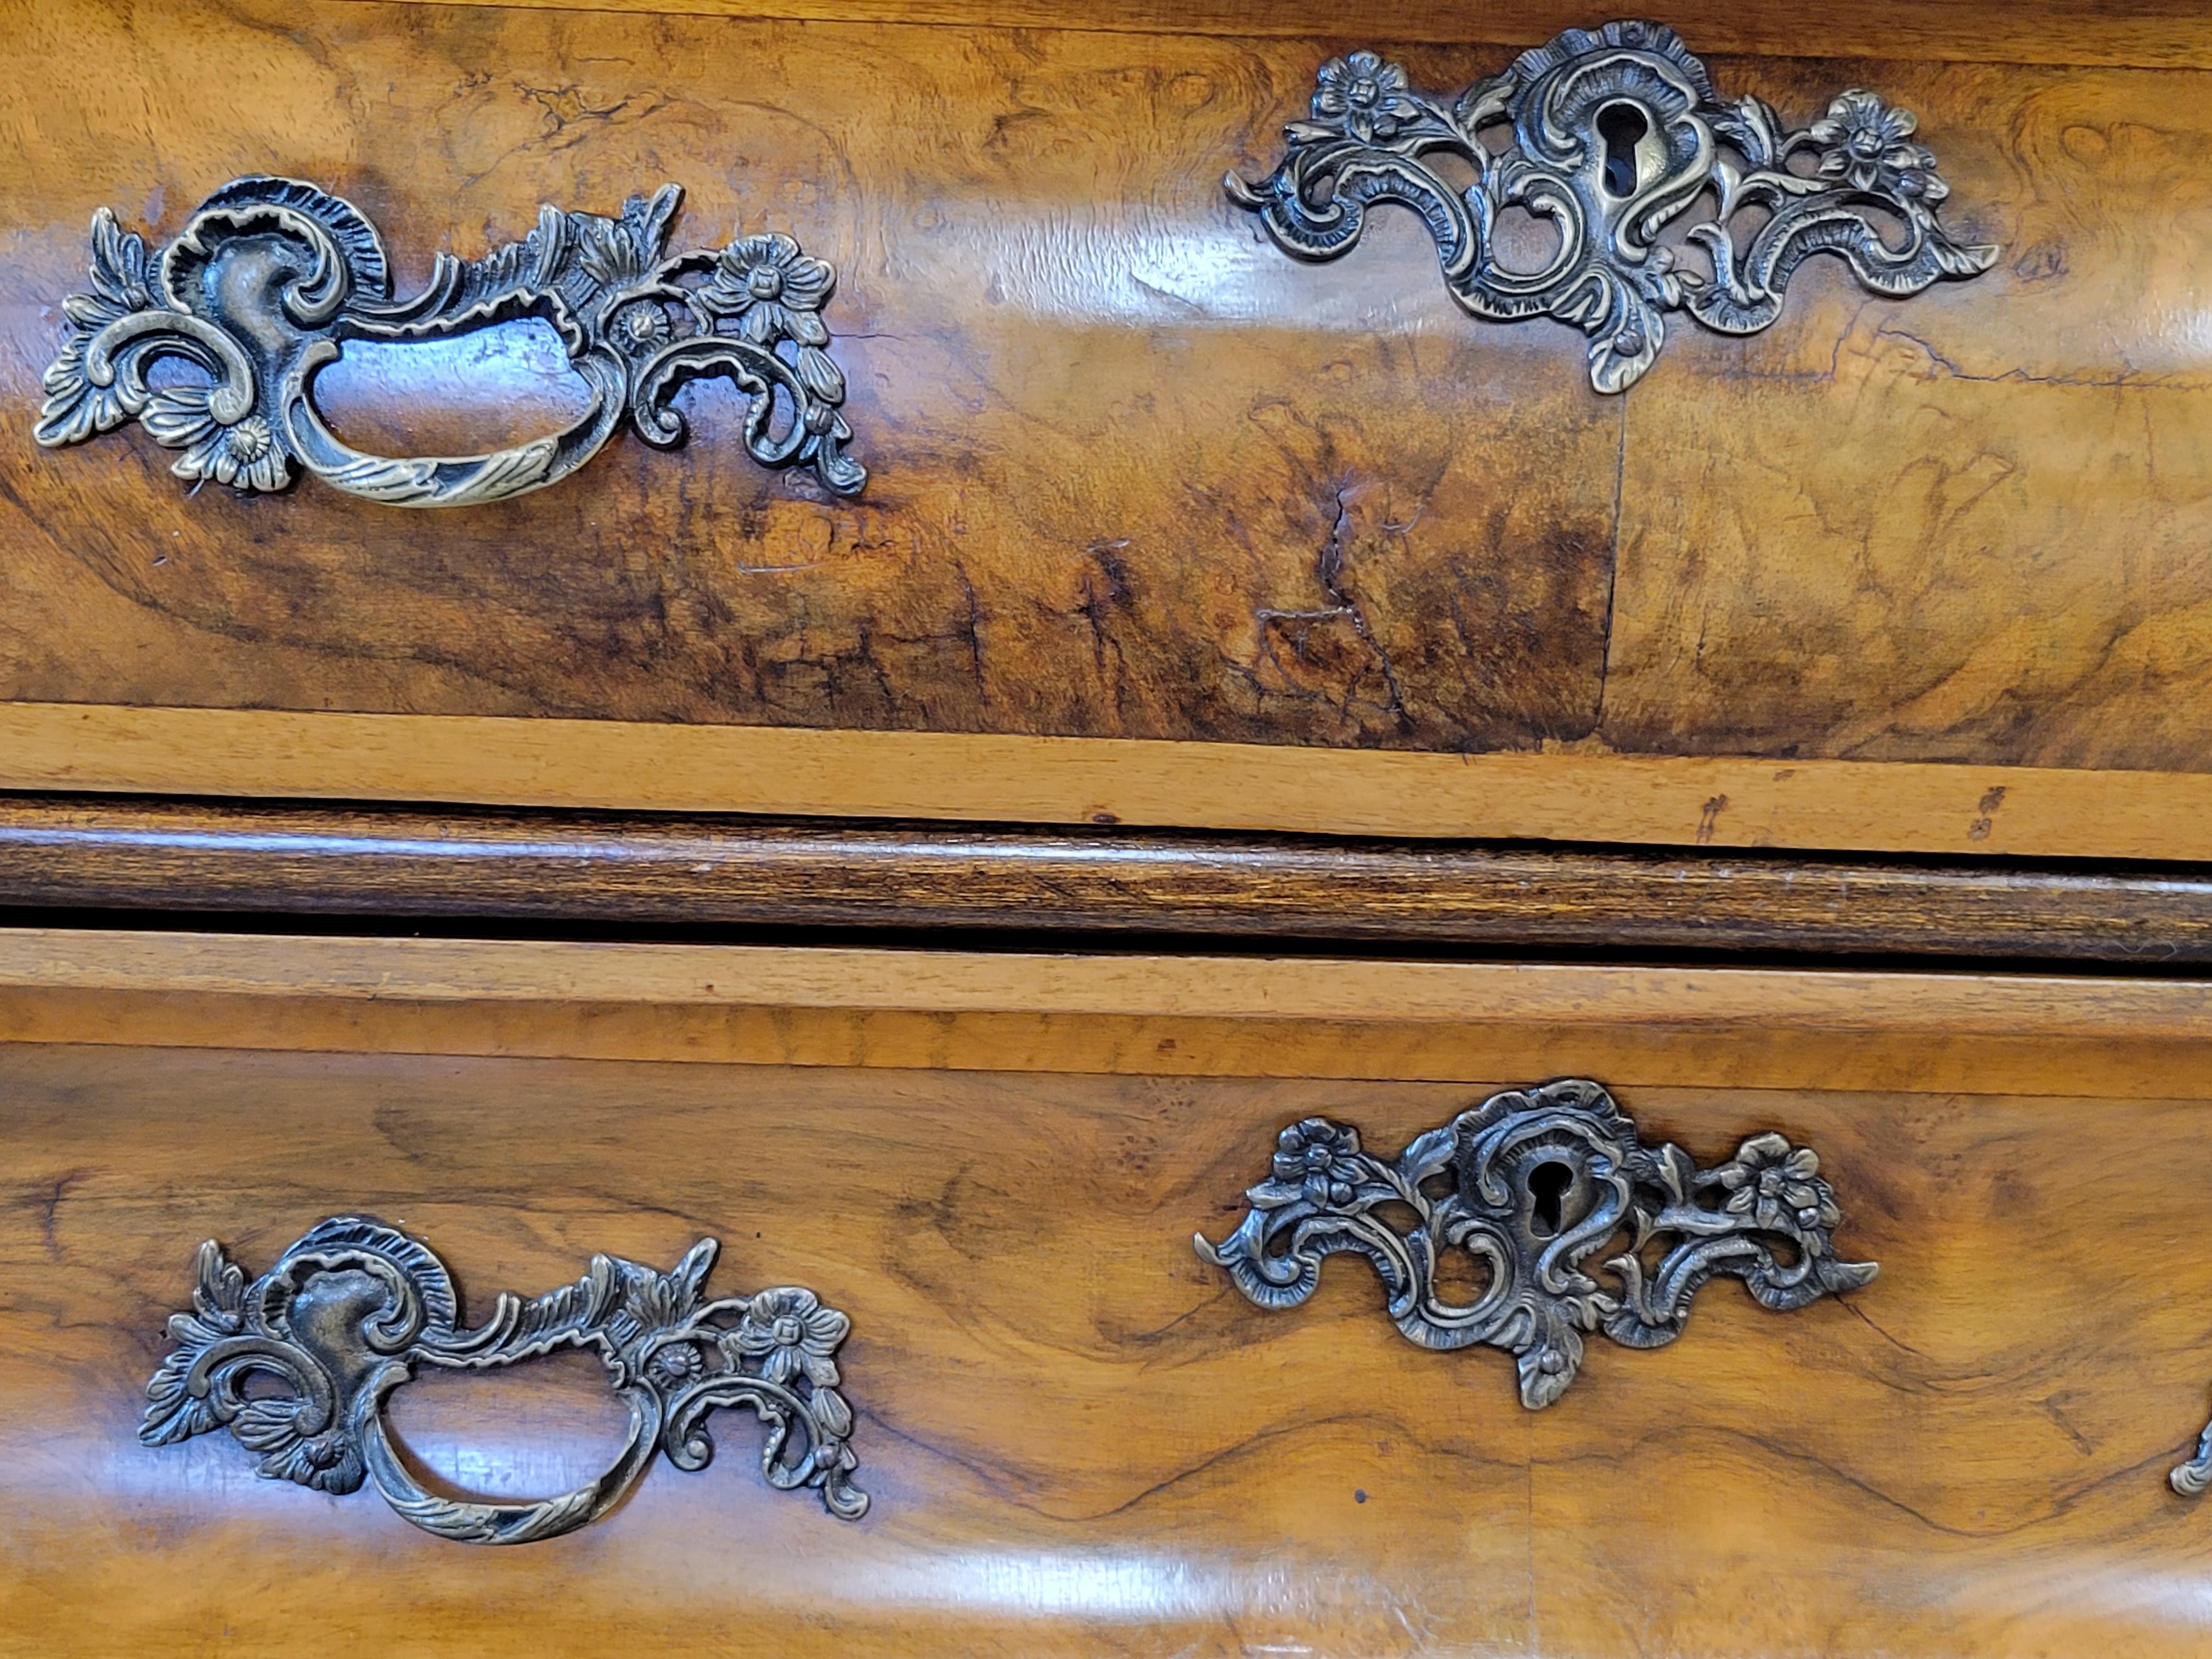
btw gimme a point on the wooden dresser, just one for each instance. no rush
(1194, 829)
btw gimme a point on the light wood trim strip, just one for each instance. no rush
(1474, 1052)
(1133, 1015)
(1114, 1014)
(2153, 34)
(1837, 806)
(1221, 988)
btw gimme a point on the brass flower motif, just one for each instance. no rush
(1369, 97)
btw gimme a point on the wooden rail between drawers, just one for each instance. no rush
(712, 873)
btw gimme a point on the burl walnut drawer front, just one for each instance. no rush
(1074, 1435)
(1896, 545)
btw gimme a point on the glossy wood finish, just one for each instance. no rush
(1137, 474)
(1079, 1441)
(705, 873)
(1968, 525)
(1133, 474)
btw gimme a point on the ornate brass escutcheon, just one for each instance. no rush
(1531, 1184)
(272, 277)
(298, 1364)
(1612, 134)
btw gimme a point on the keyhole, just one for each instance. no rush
(1547, 1186)
(1622, 126)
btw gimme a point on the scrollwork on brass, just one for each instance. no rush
(1612, 134)
(2191, 1478)
(298, 1364)
(1529, 1185)
(271, 277)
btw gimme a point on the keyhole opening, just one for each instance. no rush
(1622, 126)
(1547, 1187)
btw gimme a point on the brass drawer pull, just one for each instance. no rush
(2191, 1478)
(271, 277)
(1530, 1184)
(1612, 134)
(349, 1311)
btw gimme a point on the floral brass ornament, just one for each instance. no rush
(1612, 135)
(271, 277)
(298, 1364)
(1530, 1184)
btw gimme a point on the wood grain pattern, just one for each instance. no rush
(1079, 1440)
(1118, 488)
(1845, 805)
(2155, 34)
(706, 872)
(1138, 474)
(1135, 1014)
(1142, 476)
(1959, 527)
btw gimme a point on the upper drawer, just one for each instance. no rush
(1312, 531)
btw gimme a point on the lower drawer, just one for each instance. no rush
(1077, 1436)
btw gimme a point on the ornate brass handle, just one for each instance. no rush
(1530, 1184)
(1612, 134)
(2190, 1479)
(271, 277)
(349, 1311)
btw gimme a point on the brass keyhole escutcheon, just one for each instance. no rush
(1534, 1182)
(1616, 133)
